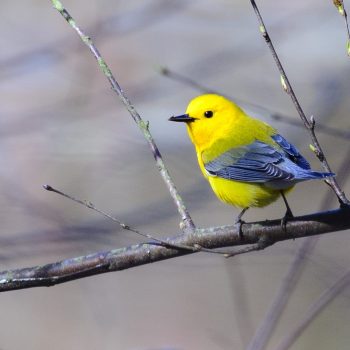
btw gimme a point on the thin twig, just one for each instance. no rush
(187, 221)
(309, 126)
(90, 205)
(157, 241)
(263, 243)
(323, 128)
(315, 308)
(329, 130)
(339, 4)
(165, 71)
(145, 253)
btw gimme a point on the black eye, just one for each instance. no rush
(208, 114)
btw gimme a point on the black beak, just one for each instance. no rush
(185, 118)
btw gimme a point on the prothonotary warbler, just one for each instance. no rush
(247, 163)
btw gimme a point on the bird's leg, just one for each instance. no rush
(239, 217)
(288, 214)
(239, 221)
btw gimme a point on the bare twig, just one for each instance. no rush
(157, 241)
(315, 308)
(262, 243)
(88, 204)
(339, 4)
(165, 71)
(112, 24)
(329, 130)
(187, 223)
(323, 128)
(309, 126)
(145, 253)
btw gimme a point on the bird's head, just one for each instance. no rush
(209, 117)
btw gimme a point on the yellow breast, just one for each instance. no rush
(242, 194)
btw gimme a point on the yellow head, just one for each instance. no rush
(209, 117)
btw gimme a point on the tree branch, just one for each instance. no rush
(145, 253)
(310, 125)
(187, 221)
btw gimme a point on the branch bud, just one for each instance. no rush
(340, 6)
(312, 147)
(284, 85)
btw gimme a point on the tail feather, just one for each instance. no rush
(313, 175)
(300, 176)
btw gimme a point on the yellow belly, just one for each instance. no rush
(243, 194)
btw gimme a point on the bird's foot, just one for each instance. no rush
(239, 222)
(287, 216)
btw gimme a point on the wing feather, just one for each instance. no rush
(260, 162)
(292, 151)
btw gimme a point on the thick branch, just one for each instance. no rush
(264, 233)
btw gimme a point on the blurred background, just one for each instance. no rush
(61, 124)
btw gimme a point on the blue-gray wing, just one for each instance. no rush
(291, 151)
(259, 162)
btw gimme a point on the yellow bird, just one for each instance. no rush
(247, 163)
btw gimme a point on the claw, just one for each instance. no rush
(288, 215)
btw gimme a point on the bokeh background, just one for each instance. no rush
(60, 123)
